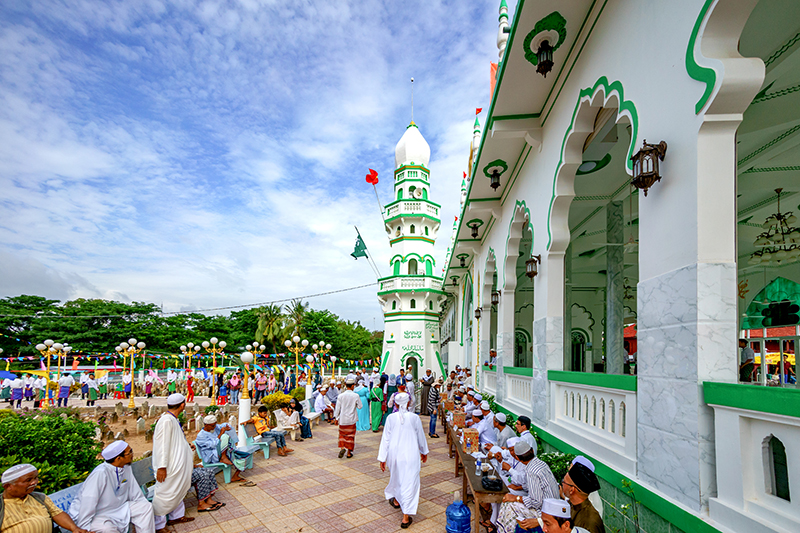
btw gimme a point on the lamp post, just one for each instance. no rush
(298, 348)
(321, 350)
(211, 347)
(255, 349)
(131, 349)
(244, 400)
(47, 350)
(190, 349)
(333, 367)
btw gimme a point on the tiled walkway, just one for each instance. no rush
(313, 490)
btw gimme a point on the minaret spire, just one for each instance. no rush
(412, 100)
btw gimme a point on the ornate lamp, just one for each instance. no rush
(474, 228)
(478, 313)
(495, 177)
(645, 165)
(495, 297)
(532, 266)
(455, 280)
(544, 57)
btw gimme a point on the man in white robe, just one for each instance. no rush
(110, 499)
(403, 444)
(173, 464)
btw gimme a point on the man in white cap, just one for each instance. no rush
(375, 377)
(427, 382)
(403, 444)
(322, 405)
(346, 413)
(470, 405)
(26, 511)
(511, 471)
(578, 483)
(556, 518)
(110, 499)
(594, 496)
(541, 485)
(468, 378)
(173, 464)
(333, 392)
(502, 430)
(410, 390)
(486, 435)
(217, 443)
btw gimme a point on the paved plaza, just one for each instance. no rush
(313, 490)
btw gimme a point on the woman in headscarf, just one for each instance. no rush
(377, 406)
(403, 444)
(363, 422)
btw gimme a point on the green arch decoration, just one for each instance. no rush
(775, 291)
(519, 204)
(704, 75)
(626, 107)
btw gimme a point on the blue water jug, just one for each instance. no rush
(458, 516)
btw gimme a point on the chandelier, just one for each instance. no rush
(778, 244)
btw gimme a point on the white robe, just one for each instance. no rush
(171, 451)
(401, 445)
(110, 500)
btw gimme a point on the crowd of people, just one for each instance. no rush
(110, 500)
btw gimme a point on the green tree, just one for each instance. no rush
(296, 314)
(269, 326)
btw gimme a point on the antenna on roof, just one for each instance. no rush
(412, 100)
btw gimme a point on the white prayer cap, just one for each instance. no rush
(350, 381)
(556, 508)
(477, 412)
(478, 396)
(375, 369)
(485, 405)
(470, 393)
(512, 441)
(176, 399)
(113, 450)
(495, 449)
(16, 472)
(427, 370)
(210, 419)
(500, 417)
(584, 461)
(521, 447)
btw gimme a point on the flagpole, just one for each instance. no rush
(369, 255)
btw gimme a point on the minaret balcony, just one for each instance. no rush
(411, 207)
(409, 283)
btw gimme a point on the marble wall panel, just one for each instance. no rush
(671, 464)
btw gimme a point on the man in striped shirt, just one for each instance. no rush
(433, 407)
(541, 484)
(26, 511)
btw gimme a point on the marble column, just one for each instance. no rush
(505, 339)
(615, 272)
(548, 354)
(568, 311)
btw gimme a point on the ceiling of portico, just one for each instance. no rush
(768, 140)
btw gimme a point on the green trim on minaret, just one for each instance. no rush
(412, 124)
(503, 4)
(477, 125)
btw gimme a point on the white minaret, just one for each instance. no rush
(412, 295)
(502, 30)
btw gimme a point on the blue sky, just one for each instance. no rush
(204, 154)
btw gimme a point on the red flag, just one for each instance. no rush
(372, 177)
(478, 110)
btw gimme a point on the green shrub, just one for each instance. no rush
(559, 463)
(274, 401)
(211, 409)
(63, 449)
(298, 393)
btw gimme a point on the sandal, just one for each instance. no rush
(394, 503)
(181, 520)
(405, 525)
(435, 436)
(247, 483)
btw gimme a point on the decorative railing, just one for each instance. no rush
(402, 207)
(489, 381)
(406, 283)
(757, 436)
(519, 389)
(596, 413)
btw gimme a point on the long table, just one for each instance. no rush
(466, 463)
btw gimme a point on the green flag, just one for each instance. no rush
(360, 249)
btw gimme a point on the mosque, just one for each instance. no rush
(628, 244)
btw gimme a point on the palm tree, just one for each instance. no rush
(296, 313)
(270, 323)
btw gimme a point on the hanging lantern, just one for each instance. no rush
(495, 297)
(544, 58)
(455, 280)
(495, 177)
(474, 231)
(645, 165)
(462, 258)
(532, 266)
(478, 313)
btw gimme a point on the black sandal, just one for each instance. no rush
(393, 503)
(405, 525)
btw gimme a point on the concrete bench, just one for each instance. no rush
(291, 431)
(309, 413)
(226, 468)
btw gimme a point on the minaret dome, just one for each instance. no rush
(412, 147)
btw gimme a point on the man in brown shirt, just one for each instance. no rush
(576, 486)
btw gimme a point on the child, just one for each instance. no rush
(91, 390)
(222, 396)
(290, 419)
(264, 426)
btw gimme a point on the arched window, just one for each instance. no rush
(412, 267)
(776, 471)
(430, 305)
(397, 268)
(399, 194)
(426, 230)
(424, 194)
(394, 305)
(413, 304)
(412, 229)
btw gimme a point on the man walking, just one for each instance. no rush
(432, 405)
(173, 464)
(346, 413)
(403, 445)
(427, 382)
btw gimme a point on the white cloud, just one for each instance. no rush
(214, 154)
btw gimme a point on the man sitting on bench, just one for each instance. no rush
(217, 443)
(264, 428)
